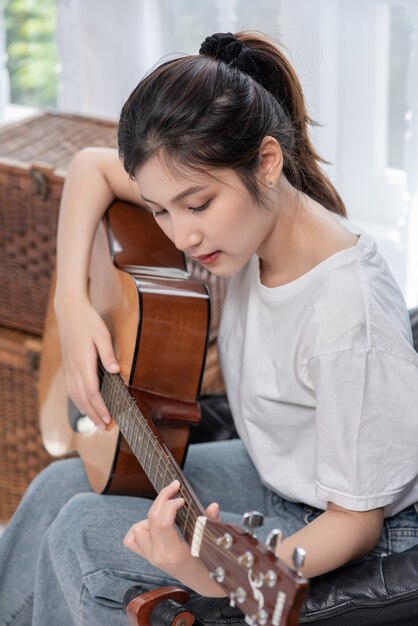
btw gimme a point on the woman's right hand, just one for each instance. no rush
(84, 337)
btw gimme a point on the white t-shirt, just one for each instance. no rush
(322, 381)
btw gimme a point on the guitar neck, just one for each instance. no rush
(150, 450)
(265, 589)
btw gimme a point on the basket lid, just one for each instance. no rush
(52, 138)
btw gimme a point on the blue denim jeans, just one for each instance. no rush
(62, 560)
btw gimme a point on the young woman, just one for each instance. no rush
(315, 346)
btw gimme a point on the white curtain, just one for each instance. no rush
(343, 51)
(411, 161)
(106, 46)
(356, 58)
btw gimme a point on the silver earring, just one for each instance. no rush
(270, 182)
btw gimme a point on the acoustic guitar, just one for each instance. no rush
(158, 318)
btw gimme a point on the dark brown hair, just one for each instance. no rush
(202, 113)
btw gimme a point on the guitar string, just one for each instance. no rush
(115, 396)
(157, 471)
(119, 401)
(188, 526)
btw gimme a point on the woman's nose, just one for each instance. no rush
(186, 235)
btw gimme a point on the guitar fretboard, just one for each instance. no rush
(157, 464)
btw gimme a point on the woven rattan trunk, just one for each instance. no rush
(21, 453)
(34, 157)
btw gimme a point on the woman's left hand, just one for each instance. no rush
(158, 541)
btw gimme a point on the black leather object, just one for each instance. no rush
(413, 315)
(379, 592)
(216, 423)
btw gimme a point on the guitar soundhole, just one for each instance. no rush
(79, 423)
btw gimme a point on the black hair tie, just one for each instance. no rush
(225, 47)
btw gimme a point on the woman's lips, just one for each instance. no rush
(207, 259)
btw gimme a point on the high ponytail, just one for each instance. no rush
(208, 111)
(281, 80)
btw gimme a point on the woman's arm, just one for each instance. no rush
(334, 538)
(95, 177)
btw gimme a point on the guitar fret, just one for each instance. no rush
(145, 457)
(140, 452)
(157, 473)
(152, 473)
(187, 516)
(152, 449)
(118, 412)
(180, 521)
(162, 473)
(150, 455)
(157, 466)
(110, 390)
(137, 434)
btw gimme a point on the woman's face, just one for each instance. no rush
(212, 220)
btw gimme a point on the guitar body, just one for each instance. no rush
(158, 318)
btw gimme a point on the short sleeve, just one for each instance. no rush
(366, 426)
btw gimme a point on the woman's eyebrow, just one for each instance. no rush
(180, 196)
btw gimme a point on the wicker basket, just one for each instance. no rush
(22, 455)
(34, 156)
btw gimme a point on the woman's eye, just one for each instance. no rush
(196, 209)
(159, 213)
(199, 208)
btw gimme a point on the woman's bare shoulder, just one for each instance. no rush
(108, 162)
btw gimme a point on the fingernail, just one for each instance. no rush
(106, 419)
(101, 427)
(113, 366)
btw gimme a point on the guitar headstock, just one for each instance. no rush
(262, 586)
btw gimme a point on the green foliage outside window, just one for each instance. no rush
(31, 51)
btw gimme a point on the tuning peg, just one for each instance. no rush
(252, 520)
(274, 539)
(298, 558)
(270, 578)
(225, 541)
(246, 559)
(239, 595)
(218, 574)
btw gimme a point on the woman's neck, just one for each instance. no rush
(303, 234)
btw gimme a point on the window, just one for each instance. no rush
(31, 54)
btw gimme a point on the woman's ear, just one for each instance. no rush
(271, 161)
